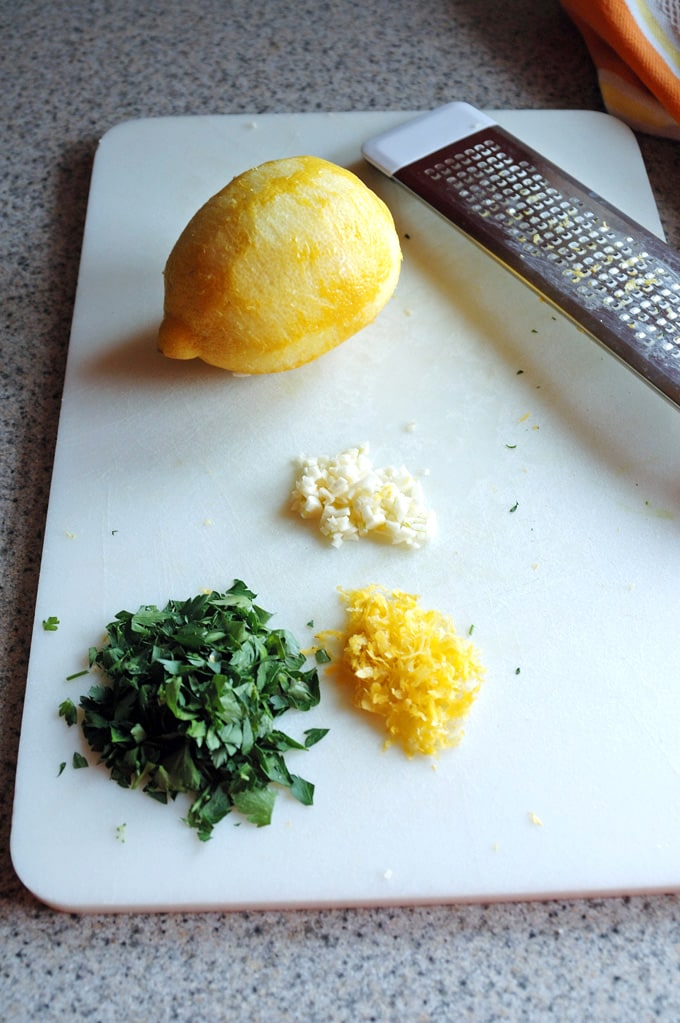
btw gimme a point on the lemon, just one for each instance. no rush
(290, 259)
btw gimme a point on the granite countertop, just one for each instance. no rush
(70, 72)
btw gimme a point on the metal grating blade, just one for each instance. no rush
(614, 278)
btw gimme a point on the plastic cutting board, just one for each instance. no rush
(555, 476)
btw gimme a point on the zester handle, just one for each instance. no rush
(609, 274)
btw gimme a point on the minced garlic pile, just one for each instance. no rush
(351, 498)
(410, 666)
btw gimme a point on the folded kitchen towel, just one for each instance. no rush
(635, 45)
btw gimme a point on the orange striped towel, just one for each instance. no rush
(635, 45)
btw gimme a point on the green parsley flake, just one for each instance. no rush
(50, 624)
(68, 711)
(191, 703)
(77, 674)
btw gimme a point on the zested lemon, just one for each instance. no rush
(287, 261)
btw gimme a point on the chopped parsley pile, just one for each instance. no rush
(191, 702)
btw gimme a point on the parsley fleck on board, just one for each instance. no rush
(192, 696)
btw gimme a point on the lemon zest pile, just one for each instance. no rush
(410, 666)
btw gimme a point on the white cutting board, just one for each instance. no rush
(171, 477)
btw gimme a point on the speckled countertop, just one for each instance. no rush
(70, 71)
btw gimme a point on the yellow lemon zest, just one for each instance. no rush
(408, 665)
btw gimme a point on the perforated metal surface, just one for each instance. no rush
(612, 276)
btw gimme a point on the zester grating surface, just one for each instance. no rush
(609, 274)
